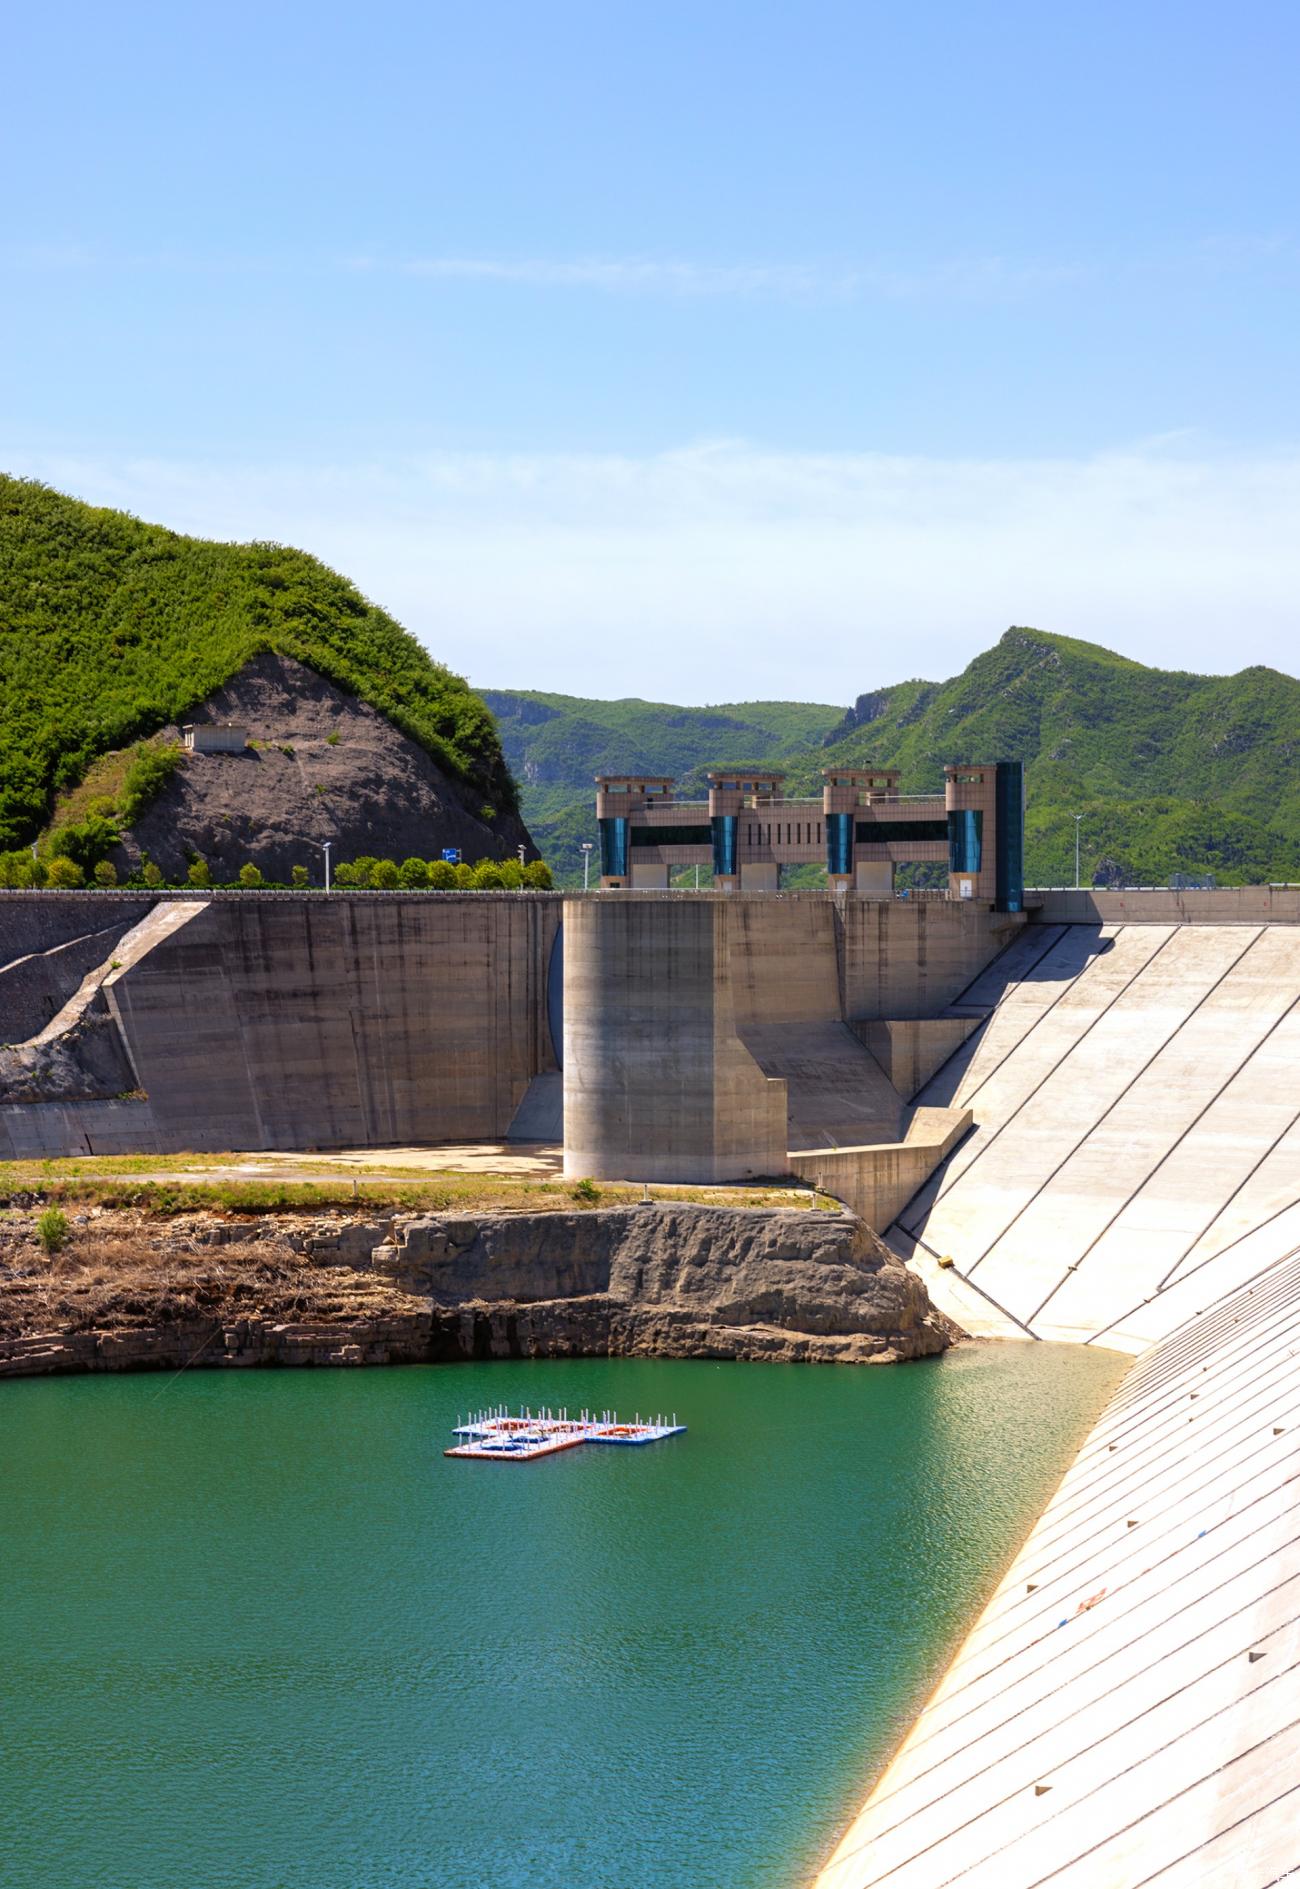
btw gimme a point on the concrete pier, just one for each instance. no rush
(713, 1038)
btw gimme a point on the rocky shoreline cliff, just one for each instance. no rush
(660, 1280)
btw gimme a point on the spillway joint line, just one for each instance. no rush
(936, 1179)
(1086, 1511)
(1244, 1182)
(1192, 1317)
(1066, 1809)
(988, 1296)
(1199, 1117)
(1123, 1647)
(1110, 1108)
(1040, 1639)
(1047, 1009)
(1137, 1673)
(1157, 1528)
(1024, 1102)
(1072, 1757)
(1218, 1771)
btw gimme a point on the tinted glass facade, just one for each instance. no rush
(1010, 789)
(839, 842)
(643, 836)
(725, 847)
(965, 835)
(614, 847)
(898, 832)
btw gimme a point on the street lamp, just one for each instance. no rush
(1077, 818)
(324, 847)
(586, 861)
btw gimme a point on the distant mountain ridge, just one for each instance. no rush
(1171, 771)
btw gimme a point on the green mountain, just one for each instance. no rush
(1171, 771)
(110, 629)
(557, 744)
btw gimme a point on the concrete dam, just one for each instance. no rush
(1079, 1122)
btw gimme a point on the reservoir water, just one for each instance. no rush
(258, 1633)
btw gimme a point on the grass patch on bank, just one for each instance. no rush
(145, 1183)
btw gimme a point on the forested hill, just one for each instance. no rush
(111, 629)
(1171, 771)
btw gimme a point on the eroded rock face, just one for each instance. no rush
(681, 1281)
(132, 1293)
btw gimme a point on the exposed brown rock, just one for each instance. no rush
(328, 767)
(655, 1281)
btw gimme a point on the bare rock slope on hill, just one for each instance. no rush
(328, 767)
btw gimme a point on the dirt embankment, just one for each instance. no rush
(126, 1292)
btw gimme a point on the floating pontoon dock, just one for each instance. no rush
(496, 1436)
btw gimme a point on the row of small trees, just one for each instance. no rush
(440, 875)
(21, 870)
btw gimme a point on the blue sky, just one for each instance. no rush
(694, 351)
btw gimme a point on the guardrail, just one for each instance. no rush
(904, 895)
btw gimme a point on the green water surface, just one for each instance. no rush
(256, 1632)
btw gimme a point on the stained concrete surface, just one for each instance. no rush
(1135, 1117)
(1127, 1709)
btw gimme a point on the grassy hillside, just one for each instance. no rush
(1172, 771)
(112, 628)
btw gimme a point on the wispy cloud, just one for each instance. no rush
(725, 569)
(963, 278)
(968, 278)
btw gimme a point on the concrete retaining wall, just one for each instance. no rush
(34, 1131)
(704, 1036)
(40, 921)
(289, 1021)
(878, 1181)
(1225, 905)
(35, 987)
(909, 958)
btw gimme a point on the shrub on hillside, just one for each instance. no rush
(442, 875)
(199, 874)
(487, 876)
(299, 875)
(250, 876)
(87, 841)
(414, 875)
(64, 873)
(384, 876)
(537, 876)
(147, 775)
(105, 873)
(18, 870)
(151, 874)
